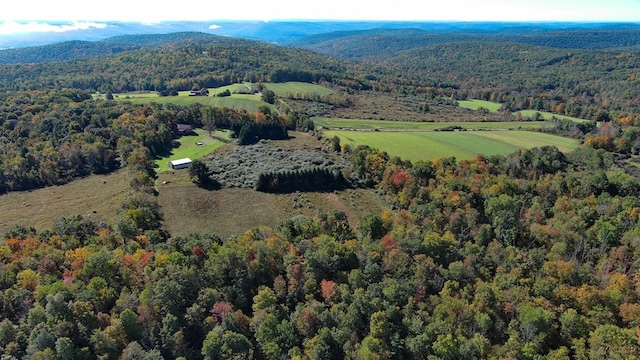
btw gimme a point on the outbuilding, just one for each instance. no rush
(180, 163)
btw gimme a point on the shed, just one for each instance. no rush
(179, 164)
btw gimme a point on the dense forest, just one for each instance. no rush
(533, 255)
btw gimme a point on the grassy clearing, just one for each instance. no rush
(96, 197)
(294, 87)
(425, 126)
(189, 149)
(229, 212)
(463, 145)
(477, 104)
(531, 114)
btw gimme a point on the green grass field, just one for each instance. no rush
(189, 149)
(461, 144)
(426, 126)
(530, 114)
(294, 87)
(547, 115)
(477, 104)
(248, 102)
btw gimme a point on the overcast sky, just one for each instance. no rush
(211, 10)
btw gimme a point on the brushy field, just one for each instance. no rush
(460, 144)
(189, 149)
(231, 211)
(477, 104)
(96, 197)
(300, 88)
(366, 124)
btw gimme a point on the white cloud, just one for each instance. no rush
(214, 27)
(12, 27)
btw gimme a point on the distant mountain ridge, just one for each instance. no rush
(377, 42)
(77, 50)
(280, 32)
(345, 39)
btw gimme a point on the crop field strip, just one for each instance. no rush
(462, 145)
(387, 125)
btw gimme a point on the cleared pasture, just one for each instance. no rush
(95, 197)
(475, 104)
(460, 144)
(366, 124)
(189, 147)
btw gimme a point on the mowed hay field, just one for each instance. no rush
(416, 145)
(96, 197)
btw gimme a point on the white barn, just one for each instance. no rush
(180, 163)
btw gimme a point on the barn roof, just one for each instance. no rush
(180, 161)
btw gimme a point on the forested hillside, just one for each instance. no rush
(532, 255)
(180, 67)
(73, 50)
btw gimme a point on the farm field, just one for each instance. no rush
(189, 149)
(96, 197)
(474, 104)
(460, 144)
(386, 125)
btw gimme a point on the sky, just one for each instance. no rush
(81, 13)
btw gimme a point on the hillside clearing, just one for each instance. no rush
(96, 197)
(190, 148)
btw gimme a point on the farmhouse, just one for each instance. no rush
(179, 164)
(183, 129)
(202, 92)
